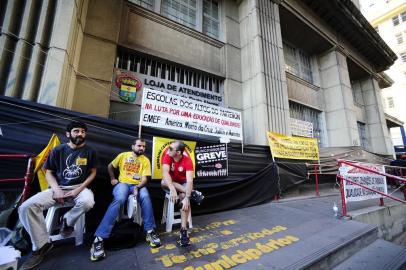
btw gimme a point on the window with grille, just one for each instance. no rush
(403, 56)
(391, 103)
(307, 114)
(395, 20)
(181, 11)
(399, 38)
(200, 15)
(162, 69)
(403, 16)
(298, 62)
(362, 135)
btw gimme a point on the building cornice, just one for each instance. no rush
(345, 18)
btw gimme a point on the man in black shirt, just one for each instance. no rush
(70, 168)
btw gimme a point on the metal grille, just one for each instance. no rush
(362, 135)
(300, 112)
(161, 69)
(297, 62)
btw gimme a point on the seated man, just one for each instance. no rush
(177, 173)
(134, 170)
(70, 168)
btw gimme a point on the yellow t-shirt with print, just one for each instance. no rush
(132, 168)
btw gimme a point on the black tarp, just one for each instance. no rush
(26, 127)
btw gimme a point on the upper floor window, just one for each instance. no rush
(391, 103)
(201, 15)
(399, 38)
(403, 16)
(298, 62)
(403, 57)
(395, 20)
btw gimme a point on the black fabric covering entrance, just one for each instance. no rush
(26, 127)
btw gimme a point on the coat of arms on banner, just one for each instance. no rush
(128, 86)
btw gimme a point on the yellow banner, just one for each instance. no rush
(160, 147)
(40, 160)
(293, 147)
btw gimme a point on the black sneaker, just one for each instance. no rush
(184, 238)
(66, 230)
(97, 251)
(153, 239)
(36, 257)
(197, 197)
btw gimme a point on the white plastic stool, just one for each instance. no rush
(51, 219)
(9, 258)
(170, 217)
(133, 210)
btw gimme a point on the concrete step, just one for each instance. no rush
(332, 245)
(379, 255)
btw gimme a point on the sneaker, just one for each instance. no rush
(184, 238)
(197, 197)
(153, 239)
(36, 257)
(97, 251)
(66, 230)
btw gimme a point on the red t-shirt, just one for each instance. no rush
(178, 169)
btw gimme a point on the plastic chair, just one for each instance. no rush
(9, 258)
(52, 219)
(170, 217)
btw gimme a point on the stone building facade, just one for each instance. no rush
(284, 64)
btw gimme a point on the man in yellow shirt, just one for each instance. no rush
(134, 169)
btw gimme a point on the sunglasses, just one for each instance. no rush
(171, 148)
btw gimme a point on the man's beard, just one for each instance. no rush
(77, 140)
(139, 152)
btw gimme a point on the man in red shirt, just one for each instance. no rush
(177, 172)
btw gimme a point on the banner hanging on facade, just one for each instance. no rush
(128, 86)
(162, 110)
(301, 128)
(211, 161)
(159, 150)
(293, 147)
(354, 193)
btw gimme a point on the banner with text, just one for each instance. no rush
(159, 149)
(168, 111)
(354, 193)
(293, 147)
(127, 87)
(211, 160)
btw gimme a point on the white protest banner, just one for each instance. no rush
(163, 110)
(354, 193)
(128, 87)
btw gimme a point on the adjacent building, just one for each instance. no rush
(301, 68)
(389, 20)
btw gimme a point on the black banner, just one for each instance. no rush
(211, 161)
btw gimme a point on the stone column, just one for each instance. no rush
(265, 96)
(57, 61)
(378, 136)
(38, 55)
(339, 111)
(23, 50)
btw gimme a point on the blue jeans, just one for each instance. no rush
(120, 193)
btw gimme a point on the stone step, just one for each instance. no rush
(379, 255)
(331, 246)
